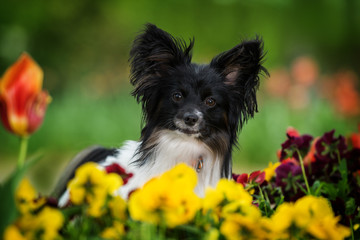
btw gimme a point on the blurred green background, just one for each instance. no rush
(312, 54)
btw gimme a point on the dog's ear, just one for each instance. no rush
(153, 55)
(240, 68)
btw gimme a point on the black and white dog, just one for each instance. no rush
(192, 113)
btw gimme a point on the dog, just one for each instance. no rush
(192, 113)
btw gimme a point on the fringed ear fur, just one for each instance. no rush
(154, 53)
(240, 68)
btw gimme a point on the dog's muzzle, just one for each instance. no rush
(189, 122)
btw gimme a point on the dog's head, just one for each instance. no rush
(209, 102)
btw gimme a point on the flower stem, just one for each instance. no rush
(352, 229)
(304, 173)
(263, 199)
(22, 151)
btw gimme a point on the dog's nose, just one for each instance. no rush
(190, 119)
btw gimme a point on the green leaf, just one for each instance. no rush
(316, 188)
(190, 229)
(280, 199)
(343, 185)
(350, 206)
(8, 210)
(331, 190)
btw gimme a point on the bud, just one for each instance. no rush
(22, 101)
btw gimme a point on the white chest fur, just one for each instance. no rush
(170, 149)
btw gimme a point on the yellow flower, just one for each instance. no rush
(97, 202)
(139, 208)
(242, 220)
(117, 207)
(182, 208)
(113, 182)
(270, 170)
(13, 233)
(92, 185)
(213, 234)
(272, 232)
(312, 215)
(87, 182)
(237, 226)
(242, 208)
(225, 192)
(316, 216)
(328, 228)
(114, 232)
(283, 217)
(96, 207)
(45, 225)
(51, 220)
(182, 175)
(311, 208)
(356, 226)
(161, 200)
(27, 200)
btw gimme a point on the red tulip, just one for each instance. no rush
(22, 101)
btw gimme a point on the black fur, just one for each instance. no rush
(161, 66)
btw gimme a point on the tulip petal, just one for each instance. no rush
(36, 110)
(23, 105)
(22, 70)
(21, 81)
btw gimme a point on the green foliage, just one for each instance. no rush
(8, 210)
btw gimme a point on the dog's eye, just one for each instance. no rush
(177, 96)
(210, 102)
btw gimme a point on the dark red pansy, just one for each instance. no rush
(257, 177)
(329, 149)
(116, 168)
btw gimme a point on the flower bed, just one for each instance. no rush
(313, 192)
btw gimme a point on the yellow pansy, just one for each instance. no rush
(270, 170)
(225, 192)
(117, 207)
(44, 225)
(237, 226)
(113, 182)
(140, 210)
(311, 215)
(92, 185)
(13, 233)
(182, 175)
(310, 208)
(212, 234)
(283, 217)
(182, 209)
(96, 206)
(51, 220)
(242, 208)
(88, 179)
(328, 228)
(160, 199)
(26, 197)
(114, 232)
(316, 216)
